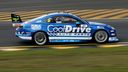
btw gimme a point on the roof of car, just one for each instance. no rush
(51, 14)
(59, 13)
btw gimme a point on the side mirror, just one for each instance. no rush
(78, 22)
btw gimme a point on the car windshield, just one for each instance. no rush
(81, 19)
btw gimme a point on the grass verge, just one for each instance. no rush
(68, 60)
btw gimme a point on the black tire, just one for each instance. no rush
(40, 38)
(101, 36)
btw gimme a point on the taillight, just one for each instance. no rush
(17, 25)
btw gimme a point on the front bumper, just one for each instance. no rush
(113, 39)
(113, 36)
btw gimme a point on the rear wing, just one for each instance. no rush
(16, 20)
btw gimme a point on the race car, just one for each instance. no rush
(62, 27)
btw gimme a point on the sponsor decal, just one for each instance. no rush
(36, 27)
(68, 30)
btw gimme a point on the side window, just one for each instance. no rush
(50, 20)
(69, 20)
(57, 19)
(63, 19)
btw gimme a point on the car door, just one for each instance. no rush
(67, 28)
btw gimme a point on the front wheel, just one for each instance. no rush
(101, 36)
(40, 38)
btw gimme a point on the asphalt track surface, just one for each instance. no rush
(15, 5)
(7, 36)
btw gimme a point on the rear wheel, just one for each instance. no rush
(101, 36)
(40, 38)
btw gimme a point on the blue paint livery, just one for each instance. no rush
(64, 32)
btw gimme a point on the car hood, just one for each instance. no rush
(101, 24)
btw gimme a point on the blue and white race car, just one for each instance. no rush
(62, 27)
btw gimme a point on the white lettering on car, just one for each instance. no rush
(36, 27)
(68, 30)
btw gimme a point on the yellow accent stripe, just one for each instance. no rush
(12, 49)
(65, 47)
(88, 14)
(79, 11)
(68, 46)
(111, 46)
(97, 13)
(104, 14)
(120, 16)
(110, 14)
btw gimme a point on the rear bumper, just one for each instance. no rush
(23, 34)
(25, 38)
